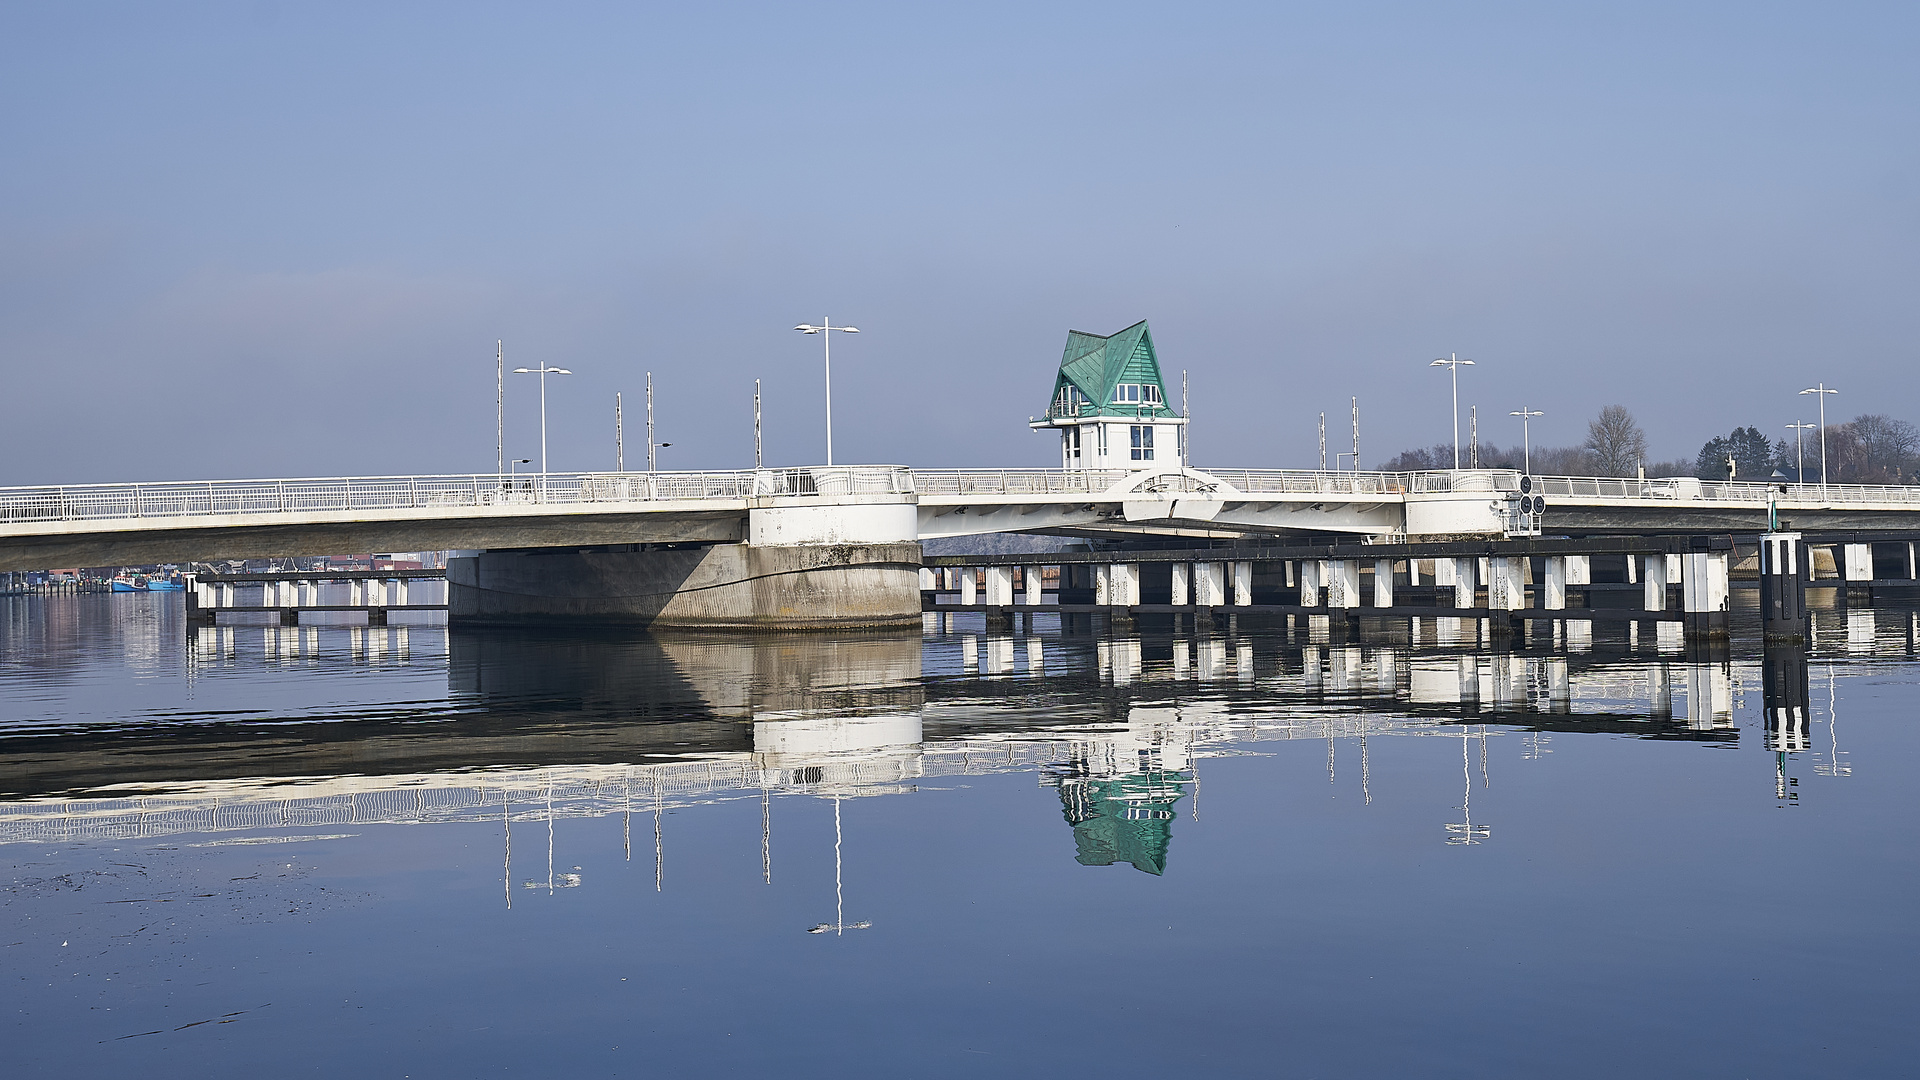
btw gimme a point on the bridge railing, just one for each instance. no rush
(224, 498)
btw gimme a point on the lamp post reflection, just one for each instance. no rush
(839, 925)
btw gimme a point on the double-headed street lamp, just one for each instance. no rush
(826, 331)
(1453, 362)
(1799, 456)
(1526, 436)
(543, 371)
(1822, 391)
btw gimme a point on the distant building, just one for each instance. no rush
(1110, 404)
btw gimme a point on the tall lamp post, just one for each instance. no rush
(543, 371)
(1453, 362)
(1526, 416)
(1799, 456)
(1821, 391)
(826, 331)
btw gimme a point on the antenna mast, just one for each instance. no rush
(1356, 434)
(1186, 411)
(499, 408)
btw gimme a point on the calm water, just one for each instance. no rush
(409, 852)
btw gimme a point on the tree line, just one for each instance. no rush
(1869, 449)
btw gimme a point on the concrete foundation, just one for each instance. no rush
(815, 586)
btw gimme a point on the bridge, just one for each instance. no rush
(840, 545)
(135, 524)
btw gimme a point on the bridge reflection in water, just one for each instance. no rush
(540, 727)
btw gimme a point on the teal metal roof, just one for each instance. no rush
(1095, 365)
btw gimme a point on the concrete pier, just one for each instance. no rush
(718, 585)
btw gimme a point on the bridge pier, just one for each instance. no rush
(851, 562)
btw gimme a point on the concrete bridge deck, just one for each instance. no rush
(133, 524)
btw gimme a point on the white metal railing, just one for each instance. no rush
(216, 498)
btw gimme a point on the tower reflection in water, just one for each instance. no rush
(540, 727)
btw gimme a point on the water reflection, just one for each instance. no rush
(542, 726)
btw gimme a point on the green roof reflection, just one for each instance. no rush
(1122, 819)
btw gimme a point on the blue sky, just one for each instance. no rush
(273, 239)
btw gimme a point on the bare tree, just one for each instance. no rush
(1618, 444)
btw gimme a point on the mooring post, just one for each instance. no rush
(1785, 566)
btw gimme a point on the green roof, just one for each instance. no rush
(1094, 365)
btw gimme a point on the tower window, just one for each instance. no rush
(1142, 442)
(1136, 394)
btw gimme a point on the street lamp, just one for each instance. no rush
(1822, 391)
(826, 330)
(1453, 362)
(1526, 416)
(543, 371)
(1799, 457)
(513, 471)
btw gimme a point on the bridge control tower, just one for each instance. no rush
(1110, 404)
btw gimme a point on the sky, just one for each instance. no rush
(280, 240)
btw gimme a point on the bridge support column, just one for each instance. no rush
(1309, 578)
(1785, 565)
(1463, 584)
(1704, 593)
(1383, 582)
(1000, 586)
(1579, 569)
(1182, 591)
(1209, 584)
(1343, 584)
(969, 585)
(1506, 594)
(1030, 578)
(1654, 582)
(1243, 584)
(1857, 570)
(1553, 591)
(1103, 585)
